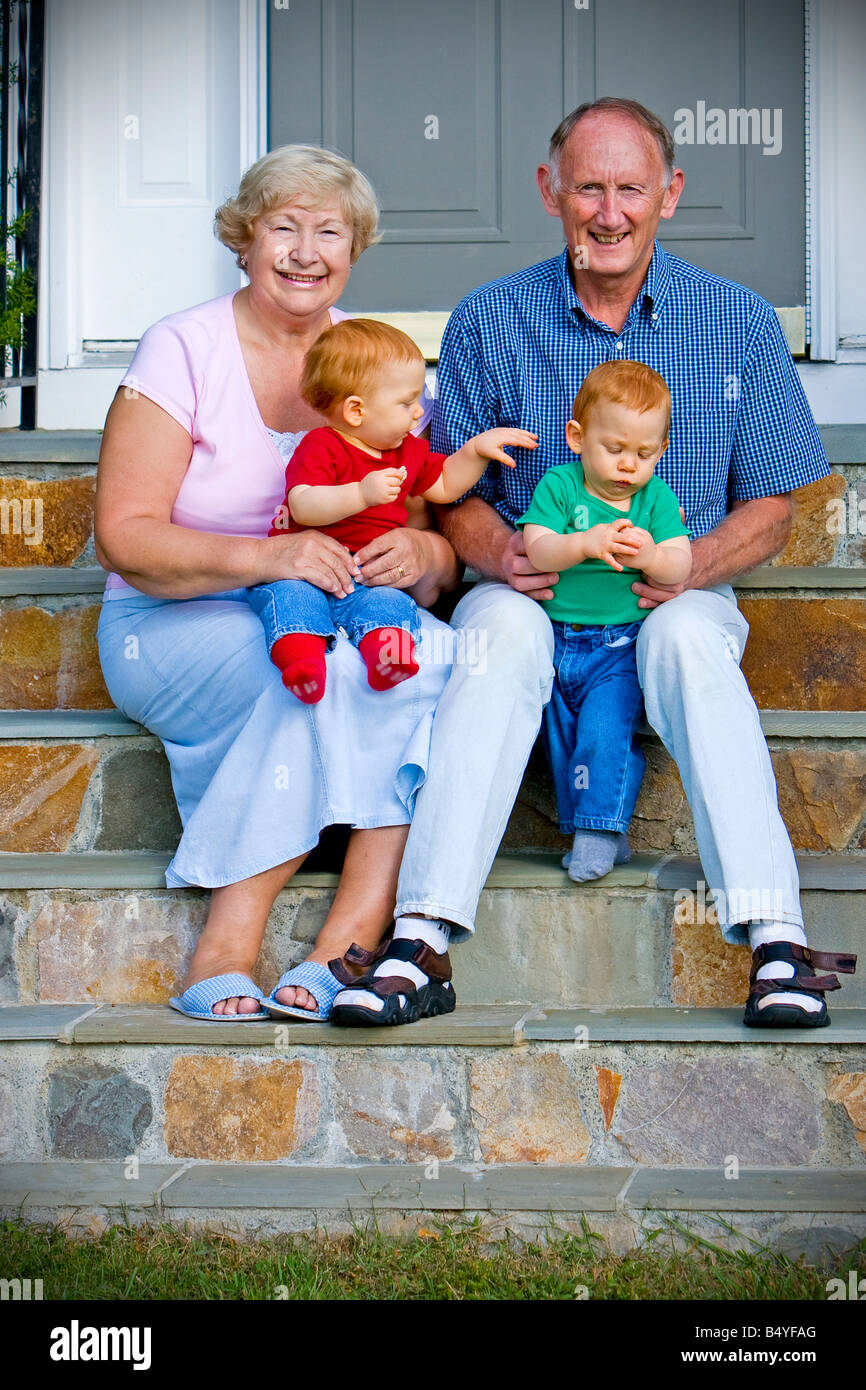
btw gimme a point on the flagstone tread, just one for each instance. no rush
(82, 1183)
(671, 1025)
(73, 723)
(529, 1187)
(795, 1189)
(842, 443)
(802, 577)
(95, 723)
(86, 579)
(50, 579)
(108, 869)
(841, 872)
(426, 1186)
(49, 446)
(40, 1022)
(470, 1025)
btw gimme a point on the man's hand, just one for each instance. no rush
(519, 572)
(382, 486)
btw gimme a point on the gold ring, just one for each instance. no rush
(401, 571)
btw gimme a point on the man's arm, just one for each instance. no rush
(483, 540)
(751, 533)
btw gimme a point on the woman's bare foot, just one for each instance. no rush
(206, 967)
(295, 995)
(363, 903)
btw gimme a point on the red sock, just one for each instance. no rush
(301, 658)
(389, 655)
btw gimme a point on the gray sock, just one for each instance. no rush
(594, 853)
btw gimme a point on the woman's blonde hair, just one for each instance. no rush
(292, 173)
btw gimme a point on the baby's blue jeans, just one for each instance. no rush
(591, 723)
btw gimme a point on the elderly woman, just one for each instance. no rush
(191, 470)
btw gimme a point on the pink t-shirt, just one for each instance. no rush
(191, 364)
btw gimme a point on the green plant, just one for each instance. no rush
(20, 293)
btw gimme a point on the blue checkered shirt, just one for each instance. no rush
(516, 351)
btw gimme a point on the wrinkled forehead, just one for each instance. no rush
(303, 207)
(608, 146)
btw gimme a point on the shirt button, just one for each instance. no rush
(619, 347)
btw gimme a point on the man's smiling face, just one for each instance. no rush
(612, 193)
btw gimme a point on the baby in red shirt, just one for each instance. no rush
(350, 480)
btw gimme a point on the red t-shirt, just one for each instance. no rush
(325, 459)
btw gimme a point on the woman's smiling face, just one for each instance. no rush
(300, 257)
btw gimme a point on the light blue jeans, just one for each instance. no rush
(697, 700)
(293, 605)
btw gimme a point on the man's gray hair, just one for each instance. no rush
(624, 106)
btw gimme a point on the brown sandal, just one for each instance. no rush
(357, 971)
(803, 981)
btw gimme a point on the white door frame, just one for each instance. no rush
(822, 36)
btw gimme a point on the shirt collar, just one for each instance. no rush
(651, 297)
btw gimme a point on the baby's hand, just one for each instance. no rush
(382, 485)
(646, 546)
(606, 540)
(490, 443)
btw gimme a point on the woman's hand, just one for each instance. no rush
(312, 556)
(399, 558)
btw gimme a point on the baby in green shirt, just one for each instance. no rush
(596, 521)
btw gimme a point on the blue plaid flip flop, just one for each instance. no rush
(198, 1000)
(318, 980)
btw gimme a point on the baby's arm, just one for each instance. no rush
(663, 562)
(672, 561)
(548, 550)
(462, 470)
(322, 506)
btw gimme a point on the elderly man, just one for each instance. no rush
(742, 437)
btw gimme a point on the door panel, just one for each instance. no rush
(449, 108)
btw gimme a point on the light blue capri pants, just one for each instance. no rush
(257, 775)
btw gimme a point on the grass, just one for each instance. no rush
(144, 1263)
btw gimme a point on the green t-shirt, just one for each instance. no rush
(593, 592)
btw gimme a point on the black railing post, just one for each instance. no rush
(29, 186)
(19, 272)
(5, 39)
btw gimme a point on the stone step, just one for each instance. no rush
(49, 446)
(100, 927)
(470, 1025)
(492, 1087)
(843, 444)
(47, 491)
(91, 780)
(818, 1216)
(44, 724)
(805, 652)
(165, 1189)
(90, 579)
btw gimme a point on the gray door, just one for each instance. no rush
(448, 108)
